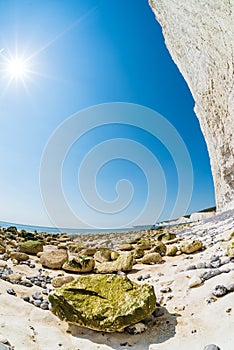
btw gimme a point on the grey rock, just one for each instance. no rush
(136, 328)
(211, 347)
(158, 312)
(11, 291)
(216, 263)
(37, 303)
(219, 291)
(209, 274)
(230, 288)
(201, 265)
(37, 296)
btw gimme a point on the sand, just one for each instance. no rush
(189, 319)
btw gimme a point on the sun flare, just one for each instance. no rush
(16, 68)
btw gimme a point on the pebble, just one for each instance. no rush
(219, 291)
(201, 265)
(230, 288)
(26, 298)
(44, 305)
(37, 303)
(11, 291)
(136, 328)
(158, 312)
(165, 290)
(37, 296)
(191, 267)
(211, 347)
(194, 282)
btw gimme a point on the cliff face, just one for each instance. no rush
(199, 36)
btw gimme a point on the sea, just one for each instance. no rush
(31, 228)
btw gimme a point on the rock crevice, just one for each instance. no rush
(199, 36)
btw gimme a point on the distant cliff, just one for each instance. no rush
(199, 36)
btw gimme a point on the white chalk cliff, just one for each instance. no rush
(199, 35)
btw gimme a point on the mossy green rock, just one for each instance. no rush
(106, 303)
(79, 264)
(31, 247)
(123, 263)
(159, 247)
(103, 255)
(230, 249)
(189, 247)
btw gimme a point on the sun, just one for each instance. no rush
(17, 68)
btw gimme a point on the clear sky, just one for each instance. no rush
(60, 57)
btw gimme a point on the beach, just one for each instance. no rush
(191, 311)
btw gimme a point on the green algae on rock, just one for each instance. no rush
(106, 303)
(79, 264)
(31, 247)
(124, 262)
(189, 247)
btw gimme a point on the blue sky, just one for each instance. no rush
(85, 53)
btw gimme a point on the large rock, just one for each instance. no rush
(59, 281)
(19, 256)
(31, 247)
(79, 264)
(106, 303)
(54, 259)
(123, 263)
(199, 36)
(102, 255)
(151, 258)
(189, 247)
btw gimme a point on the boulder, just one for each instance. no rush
(31, 247)
(54, 259)
(88, 251)
(102, 255)
(61, 280)
(189, 247)
(79, 264)
(138, 253)
(19, 256)
(106, 303)
(158, 247)
(151, 258)
(123, 263)
(171, 250)
(76, 247)
(230, 249)
(126, 247)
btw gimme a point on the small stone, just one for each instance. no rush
(230, 288)
(215, 264)
(211, 347)
(26, 298)
(11, 291)
(44, 306)
(37, 303)
(165, 290)
(219, 291)
(61, 280)
(159, 311)
(191, 267)
(136, 328)
(201, 265)
(37, 296)
(195, 281)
